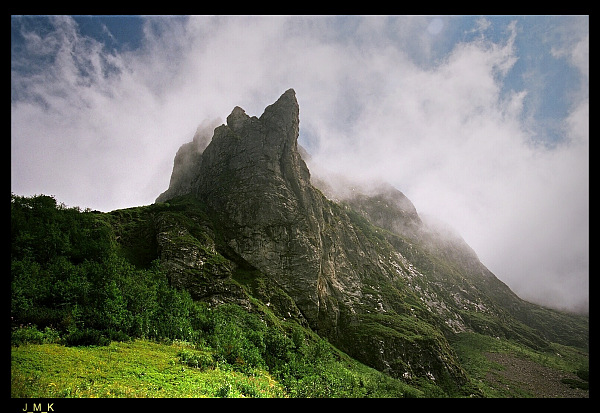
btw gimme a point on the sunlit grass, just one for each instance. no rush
(137, 369)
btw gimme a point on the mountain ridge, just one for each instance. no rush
(366, 261)
(256, 264)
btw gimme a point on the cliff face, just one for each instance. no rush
(365, 273)
(252, 175)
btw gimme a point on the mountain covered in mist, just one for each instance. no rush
(361, 269)
(331, 289)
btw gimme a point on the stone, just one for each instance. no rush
(365, 272)
(252, 176)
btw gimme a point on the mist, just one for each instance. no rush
(389, 98)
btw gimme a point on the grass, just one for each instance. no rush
(136, 369)
(147, 369)
(471, 349)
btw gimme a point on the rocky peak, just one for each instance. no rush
(252, 175)
(247, 155)
(254, 182)
(237, 119)
(283, 115)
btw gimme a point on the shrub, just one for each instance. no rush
(197, 360)
(583, 374)
(117, 335)
(574, 384)
(31, 335)
(26, 335)
(224, 390)
(86, 337)
(234, 347)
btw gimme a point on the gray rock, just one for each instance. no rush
(252, 176)
(366, 272)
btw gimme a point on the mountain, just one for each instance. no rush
(364, 270)
(258, 267)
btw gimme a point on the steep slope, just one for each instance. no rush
(376, 282)
(484, 303)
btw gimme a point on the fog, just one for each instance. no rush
(456, 113)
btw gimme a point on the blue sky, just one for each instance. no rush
(482, 121)
(549, 100)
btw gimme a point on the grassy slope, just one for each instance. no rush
(148, 369)
(472, 348)
(137, 369)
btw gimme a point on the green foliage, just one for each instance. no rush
(472, 348)
(90, 280)
(583, 374)
(199, 360)
(66, 275)
(134, 229)
(306, 365)
(41, 230)
(576, 384)
(72, 279)
(31, 335)
(139, 368)
(86, 337)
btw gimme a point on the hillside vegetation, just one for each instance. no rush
(94, 313)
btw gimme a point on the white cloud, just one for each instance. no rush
(373, 103)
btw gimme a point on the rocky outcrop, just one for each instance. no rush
(191, 261)
(252, 176)
(339, 275)
(187, 163)
(366, 272)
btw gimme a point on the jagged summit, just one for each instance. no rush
(244, 144)
(254, 180)
(361, 270)
(367, 260)
(237, 118)
(283, 114)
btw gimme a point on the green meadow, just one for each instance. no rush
(92, 317)
(136, 369)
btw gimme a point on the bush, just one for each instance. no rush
(86, 337)
(196, 360)
(118, 335)
(31, 335)
(575, 384)
(233, 346)
(583, 374)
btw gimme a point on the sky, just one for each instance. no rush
(481, 121)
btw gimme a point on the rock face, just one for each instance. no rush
(253, 178)
(187, 163)
(365, 273)
(252, 175)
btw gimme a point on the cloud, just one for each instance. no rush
(100, 128)
(458, 148)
